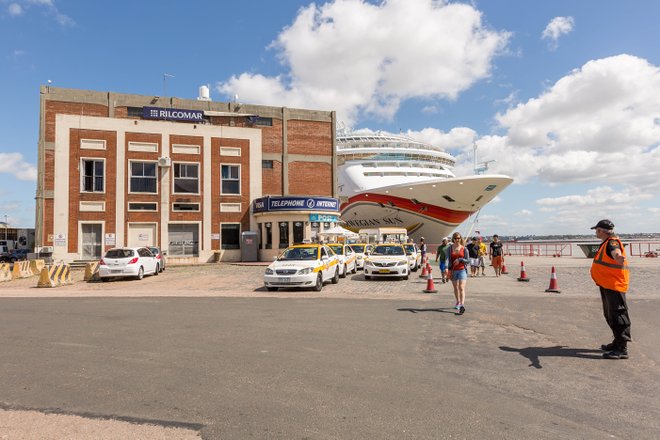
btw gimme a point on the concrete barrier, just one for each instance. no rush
(5, 273)
(55, 276)
(92, 271)
(21, 270)
(36, 266)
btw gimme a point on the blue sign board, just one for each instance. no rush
(323, 218)
(172, 114)
(266, 204)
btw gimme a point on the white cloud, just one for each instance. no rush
(524, 213)
(557, 27)
(429, 109)
(15, 9)
(13, 163)
(355, 57)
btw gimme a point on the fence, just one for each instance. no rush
(538, 249)
(644, 248)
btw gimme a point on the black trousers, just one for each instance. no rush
(615, 310)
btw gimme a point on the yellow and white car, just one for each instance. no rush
(414, 256)
(360, 249)
(347, 258)
(306, 265)
(387, 260)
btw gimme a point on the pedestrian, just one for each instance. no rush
(496, 255)
(473, 250)
(483, 250)
(609, 271)
(441, 254)
(422, 249)
(458, 259)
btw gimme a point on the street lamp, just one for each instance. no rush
(6, 226)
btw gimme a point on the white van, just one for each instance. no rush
(384, 235)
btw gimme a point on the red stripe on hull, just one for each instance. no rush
(436, 212)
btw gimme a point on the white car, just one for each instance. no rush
(305, 265)
(128, 262)
(414, 256)
(360, 250)
(347, 258)
(387, 260)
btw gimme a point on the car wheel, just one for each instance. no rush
(335, 279)
(105, 279)
(415, 267)
(271, 289)
(319, 283)
(354, 268)
(367, 277)
(162, 268)
(406, 277)
(13, 260)
(140, 274)
(157, 271)
(343, 275)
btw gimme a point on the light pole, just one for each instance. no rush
(6, 226)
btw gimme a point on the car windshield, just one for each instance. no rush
(306, 253)
(119, 253)
(388, 250)
(358, 248)
(410, 248)
(339, 249)
(154, 250)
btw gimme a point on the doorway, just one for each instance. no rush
(92, 236)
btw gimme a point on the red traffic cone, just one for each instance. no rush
(430, 286)
(504, 269)
(424, 273)
(554, 287)
(523, 274)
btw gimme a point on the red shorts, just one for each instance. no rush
(497, 261)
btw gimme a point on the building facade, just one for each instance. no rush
(133, 170)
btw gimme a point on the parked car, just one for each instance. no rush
(4, 253)
(387, 260)
(17, 255)
(127, 262)
(160, 257)
(414, 256)
(347, 258)
(360, 250)
(306, 265)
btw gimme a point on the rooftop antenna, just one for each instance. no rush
(165, 76)
(480, 167)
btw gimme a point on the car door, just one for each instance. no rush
(148, 260)
(325, 263)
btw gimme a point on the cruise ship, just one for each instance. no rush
(393, 180)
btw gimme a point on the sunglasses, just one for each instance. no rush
(456, 238)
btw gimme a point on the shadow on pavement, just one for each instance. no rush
(451, 310)
(535, 353)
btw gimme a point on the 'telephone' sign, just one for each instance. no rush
(172, 114)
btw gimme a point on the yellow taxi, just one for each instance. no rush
(387, 260)
(305, 265)
(360, 249)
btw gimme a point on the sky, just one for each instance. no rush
(561, 95)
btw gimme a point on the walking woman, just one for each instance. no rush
(458, 262)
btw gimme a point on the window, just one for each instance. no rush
(231, 234)
(92, 175)
(143, 177)
(284, 235)
(142, 206)
(298, 232)
(231, 179)
(269, 236)
(183, 240)
(186, 178)
(267, 164)
(264, 122)
(185, 207)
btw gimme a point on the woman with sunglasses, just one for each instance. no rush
(458, 262)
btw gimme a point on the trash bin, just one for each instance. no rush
(249, 246)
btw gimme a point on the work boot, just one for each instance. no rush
(617, 353)
(608, 347)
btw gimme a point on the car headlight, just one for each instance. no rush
(269, 271)
(305, 271)
(402, 263)
(368, 262)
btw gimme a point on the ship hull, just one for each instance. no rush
(431, 209)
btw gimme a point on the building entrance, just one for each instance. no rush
(92, 239)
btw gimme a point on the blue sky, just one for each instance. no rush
(564, 96)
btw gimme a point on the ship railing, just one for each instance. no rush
(538, 249)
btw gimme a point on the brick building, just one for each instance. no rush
(131, 170)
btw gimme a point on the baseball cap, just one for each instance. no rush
(604, 224)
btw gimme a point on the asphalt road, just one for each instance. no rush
(316, 368)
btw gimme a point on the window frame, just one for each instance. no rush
(198, 178)
(82, 174)
(240, 189)
(238, 247)
(130, 175)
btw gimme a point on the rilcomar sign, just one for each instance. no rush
(265, 204)
(172, 114)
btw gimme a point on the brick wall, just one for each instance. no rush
(309, 137)
(309, 178)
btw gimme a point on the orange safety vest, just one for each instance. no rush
(606, 272)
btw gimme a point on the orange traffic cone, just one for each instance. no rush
(424, 273)
(554, 287)
(430, 286)
(523, 274)
(504, 269)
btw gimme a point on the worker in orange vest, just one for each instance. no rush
(609, 271)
